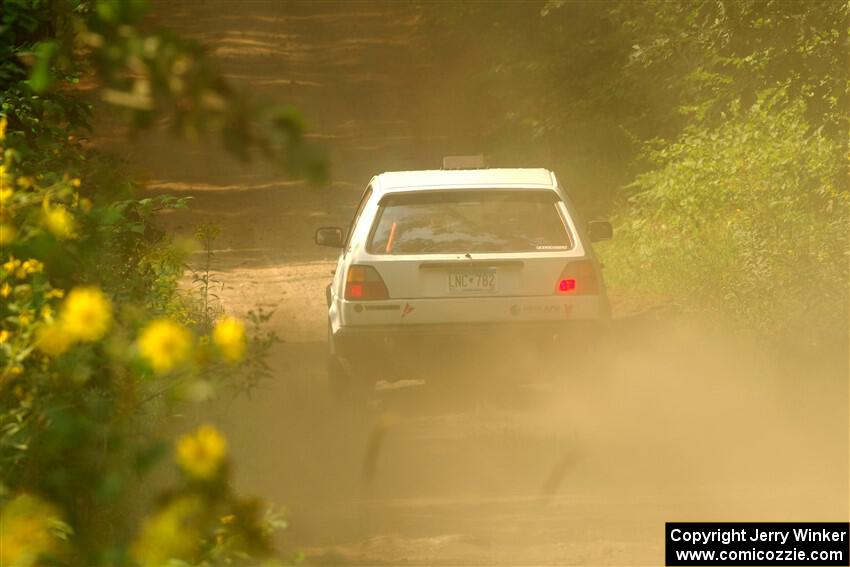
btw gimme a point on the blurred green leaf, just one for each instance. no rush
(41, 76)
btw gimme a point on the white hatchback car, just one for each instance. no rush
(459, 252)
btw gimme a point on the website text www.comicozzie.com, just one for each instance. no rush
(778, 555)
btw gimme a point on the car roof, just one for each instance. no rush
(515, 178)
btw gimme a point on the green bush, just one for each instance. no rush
(747, 219)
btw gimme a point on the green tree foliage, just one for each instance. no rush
(97, 343)
(748, 220)
(699, 57)
(744, 212)
(146, 74)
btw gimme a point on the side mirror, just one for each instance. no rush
(329, 236)
(599, 230)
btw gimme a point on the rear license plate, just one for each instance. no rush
(483, 280)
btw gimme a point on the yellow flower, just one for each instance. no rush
(202, 453)
(12, 264)
(29, 267)
(75, 182)
(55, 293)
(7, 233)
(25, 318)
(165, 345)
(52, 339)
(3, 123)
(59, 221)
(6, 290)
(26, 530)
(229, 337)
(86, 314)
(5, 194)
(4, 336)
(173, 533)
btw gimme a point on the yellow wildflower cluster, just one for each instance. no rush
(15, 268)
(52, 339)
(165, 345)
(201, 454)
(85, 316)
(58, 221)
(8, 232)
(171, 534)
(21, 270)
(229, 337)
(26, 531)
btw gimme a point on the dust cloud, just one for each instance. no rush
(525, 455)
(487, 454)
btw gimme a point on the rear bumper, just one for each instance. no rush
(359, 343)
(456, 312)
(507, 329)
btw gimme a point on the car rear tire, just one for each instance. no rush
(346, 383)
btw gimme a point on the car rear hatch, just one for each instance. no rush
(474, 255)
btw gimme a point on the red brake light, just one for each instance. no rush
(355, 290)
(578, 278)
(364, 283)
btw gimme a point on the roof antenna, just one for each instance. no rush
(464, 162)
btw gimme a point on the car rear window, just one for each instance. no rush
(445, 222)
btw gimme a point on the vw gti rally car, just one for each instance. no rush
(459, 253)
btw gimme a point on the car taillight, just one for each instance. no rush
(578, 278)
(364, 283)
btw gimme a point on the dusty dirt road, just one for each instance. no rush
(497, 459)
